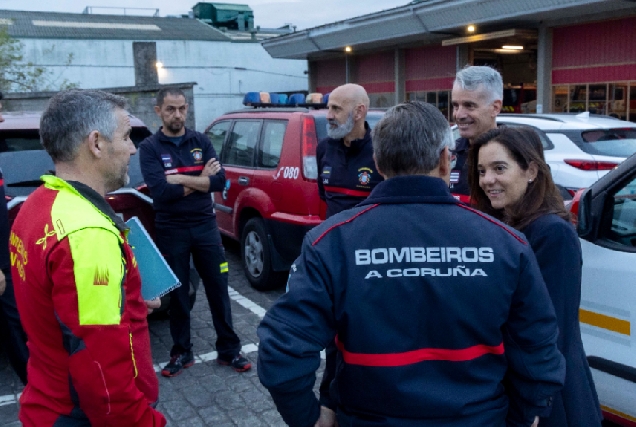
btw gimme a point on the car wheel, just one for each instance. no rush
(256, 257)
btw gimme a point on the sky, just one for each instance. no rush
(267, 14)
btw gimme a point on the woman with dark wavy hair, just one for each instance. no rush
(510, 180)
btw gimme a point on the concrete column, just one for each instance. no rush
(463, 56)
(312, 76)
(400, 76)
(544, 70)
(145, 57)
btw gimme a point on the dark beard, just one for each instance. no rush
(175, 128)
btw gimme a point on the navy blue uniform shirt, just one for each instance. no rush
(158, 157)
(346, 174)
(459, 174)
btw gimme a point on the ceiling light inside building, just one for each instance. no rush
(471, 29)
(510, 47)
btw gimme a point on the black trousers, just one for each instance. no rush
(204, 243)
(12, 335)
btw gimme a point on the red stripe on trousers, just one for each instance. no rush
(416, 356)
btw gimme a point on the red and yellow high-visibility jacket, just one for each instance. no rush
(78, 292)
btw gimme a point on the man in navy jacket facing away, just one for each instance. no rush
(431, 303)
(181, 169)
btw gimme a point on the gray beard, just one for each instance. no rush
(341, 130)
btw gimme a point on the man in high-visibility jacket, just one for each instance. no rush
(77, 284)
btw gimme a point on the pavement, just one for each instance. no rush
(207, 394)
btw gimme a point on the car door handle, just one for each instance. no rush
(243, 180)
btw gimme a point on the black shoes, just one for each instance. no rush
(177, 364)
(239, 363)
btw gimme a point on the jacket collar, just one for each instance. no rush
(462, 144)
(411, 189)
(89, 194)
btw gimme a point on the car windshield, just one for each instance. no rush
(23, 159)
(619, 142)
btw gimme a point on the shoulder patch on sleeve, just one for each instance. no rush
(98, 267)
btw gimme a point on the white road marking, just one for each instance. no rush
(10, 399)
(250, 305)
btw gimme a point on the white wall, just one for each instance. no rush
(95, 63)
(223, 71)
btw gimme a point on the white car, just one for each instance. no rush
(607, 228)
(579, 148)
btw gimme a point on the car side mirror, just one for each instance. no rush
(585, 226)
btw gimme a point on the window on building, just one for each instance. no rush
(443, 103)
(382, 100)
(631, 101)
(597, 101)
(440, 99)
(578, 99)
(560, 99)
(615, 99)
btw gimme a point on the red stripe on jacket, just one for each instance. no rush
(416, 356)
(184, 170)
(341, 223)
(348, 192)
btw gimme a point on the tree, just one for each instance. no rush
(19, 76)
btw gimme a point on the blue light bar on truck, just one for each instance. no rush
(272, 99)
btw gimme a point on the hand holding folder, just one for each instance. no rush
(157, 278)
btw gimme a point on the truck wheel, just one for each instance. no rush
(256, 258)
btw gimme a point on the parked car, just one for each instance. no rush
(23, 160)
(579, 148)
(605, 215)
(271, 196)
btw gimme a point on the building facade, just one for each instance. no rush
(97, 51)
(554, 55)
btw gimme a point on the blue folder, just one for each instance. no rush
(157, 278)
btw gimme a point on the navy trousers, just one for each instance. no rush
(12, 335)
(204, 243)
